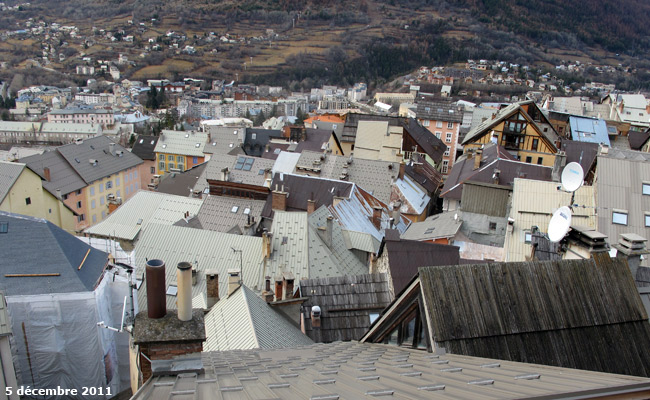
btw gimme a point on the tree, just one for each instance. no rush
(5, 116)
(300, 117)
(132, 140)
(259, 120)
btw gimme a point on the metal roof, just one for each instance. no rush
(222, 139)
(181, 183)
(591, 130)
(352, 370)
(223, 213)
(242, 169)
(619, 186)
(36, 246)
(78, 156)
(533, 204)
(16, 126)
(439, 111)
(206, 250)
(185, 143)
(414, 199)
(444, 225)
(244, 320)
(290, 245)
(62, 176)
(143, 208)
(9, 173)
(144, 147)
(52, 127)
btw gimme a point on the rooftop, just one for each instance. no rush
(185, 143)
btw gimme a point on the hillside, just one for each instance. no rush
(371, 40)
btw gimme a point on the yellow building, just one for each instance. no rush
(179, 150)
(520, 128)
(22, 192)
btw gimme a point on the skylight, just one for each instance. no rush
(234, 209)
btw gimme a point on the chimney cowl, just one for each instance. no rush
(156, 293)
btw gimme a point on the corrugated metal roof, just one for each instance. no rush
(360, 241)
(444, 225)
(352, 370)
(206, 250)
(290, 245)
(223, 213)
(243, 320)
(36, 246)
(51, 127)
(187, 143)
(619, 186)
(222, 139)
(15, 126)
(533, 204)
(9, 173)
(143, 208)
(5, 323)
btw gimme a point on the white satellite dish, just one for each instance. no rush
(572, 177)
(560, 224)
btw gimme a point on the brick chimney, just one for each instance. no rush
(267, 294)
(287, 283)
(325, 232)
(278, 288)
(402, 167)
(211, 287)
(279, 199)
(311, 206)
(46, 173)
(267, 244)
(478, 155)
(376, 217)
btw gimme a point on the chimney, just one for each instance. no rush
(632, 247)
(311, 206)
(156, 293)
(279, 199)
(376, 217)
(211, 287)
(234, 280)
(184, 297)
(336, 200)
(495, 176)
(287, 283)
(267, 244)
(267, 295)
(46, 172)
(278, 288)
(225, 175)
(315, 316)
(402, 167)
(478, 155)
(397, 214)
(111, 148)
(558, 166)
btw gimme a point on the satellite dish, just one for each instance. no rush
(572, 177)
(560, 224)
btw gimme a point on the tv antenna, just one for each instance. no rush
(572, 179)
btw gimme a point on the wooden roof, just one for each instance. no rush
(583, 314)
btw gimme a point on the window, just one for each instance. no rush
(117, 181)
(170, 158)
(109, 185)
(101, 201)
(450, 125)
(94, 218)
(161, 157)
(195, 160)
(93, 204)
(438, 135)
(101, 187)
(373, 317)
(445, 166)
(448, 138)
(135, 174)
(447, 151)
(535, 144)
(65, 196)
(153, 170)
(4, 227)
(28, 200)
(646, 188)
(438, 124)
(171, 165)
(81, 217)
(161, 166)
(528, 236)
(647, 219)
(619, 217)
(493, 226)
(425, 122)
(529, 159)
(540, 160)
(79, 204)
(117, 194)
(180, 159)
(79, 192)
(92, 190)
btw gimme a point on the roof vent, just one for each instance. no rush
(93, 162)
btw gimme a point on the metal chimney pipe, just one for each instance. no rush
(156, 296)
(184, 299)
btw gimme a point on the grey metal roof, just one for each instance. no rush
(9, 173)
(223, 139)
(290, 248)
(346, 303)
(534, 312)
(444, 225)
(592, 130)
(62, 176)
(446, 111)
(351, 370)
(223, 213)
(181, 183)
(243, 169)
(143, 208)
(244, 320)
(187, 143)
(36, 246)
(206, 250)
(144, 147)
(79, 155)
